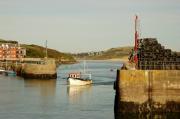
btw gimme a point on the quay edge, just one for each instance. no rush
(147, 91)
(47, 70)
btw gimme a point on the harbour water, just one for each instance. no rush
(54, 99)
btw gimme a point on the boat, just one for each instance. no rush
(10, 73)
(2, 71)
(78, 78)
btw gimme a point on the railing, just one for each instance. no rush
(18, 61)
(21, 59)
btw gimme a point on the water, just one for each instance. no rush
(54, 99)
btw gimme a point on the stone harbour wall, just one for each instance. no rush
(141, 91)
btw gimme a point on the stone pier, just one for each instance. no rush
(147, 91)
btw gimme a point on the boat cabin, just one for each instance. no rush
(75, 75)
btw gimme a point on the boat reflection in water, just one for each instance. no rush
(78, 93)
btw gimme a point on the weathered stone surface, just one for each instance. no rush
(40, 71)
(145, 91)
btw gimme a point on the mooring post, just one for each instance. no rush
(117, 92)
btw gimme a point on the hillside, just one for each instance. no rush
(35, 51)
(113, 53)
(39, 52)
(8, 41)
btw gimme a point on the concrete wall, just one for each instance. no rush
(48, 68)
(147, 90)
(32, 67)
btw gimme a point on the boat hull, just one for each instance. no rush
(77, 81)
(10, 73)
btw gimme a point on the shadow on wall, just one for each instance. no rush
(147, 116)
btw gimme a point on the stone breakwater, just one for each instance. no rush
(32, 68)
(145, 91)
(45, 70)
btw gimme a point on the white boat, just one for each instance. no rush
(79, 81)
(79, 78)
(2, 71)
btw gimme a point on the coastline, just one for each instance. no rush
(123, 59)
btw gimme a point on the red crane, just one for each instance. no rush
(136, 45)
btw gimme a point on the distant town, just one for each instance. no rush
(9, 50)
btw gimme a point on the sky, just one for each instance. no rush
(89, 25)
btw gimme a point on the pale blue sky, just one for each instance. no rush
(89, 25)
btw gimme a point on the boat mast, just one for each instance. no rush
(84, 66)
(136, 45)
(46, 50)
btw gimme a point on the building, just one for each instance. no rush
(9, 50)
